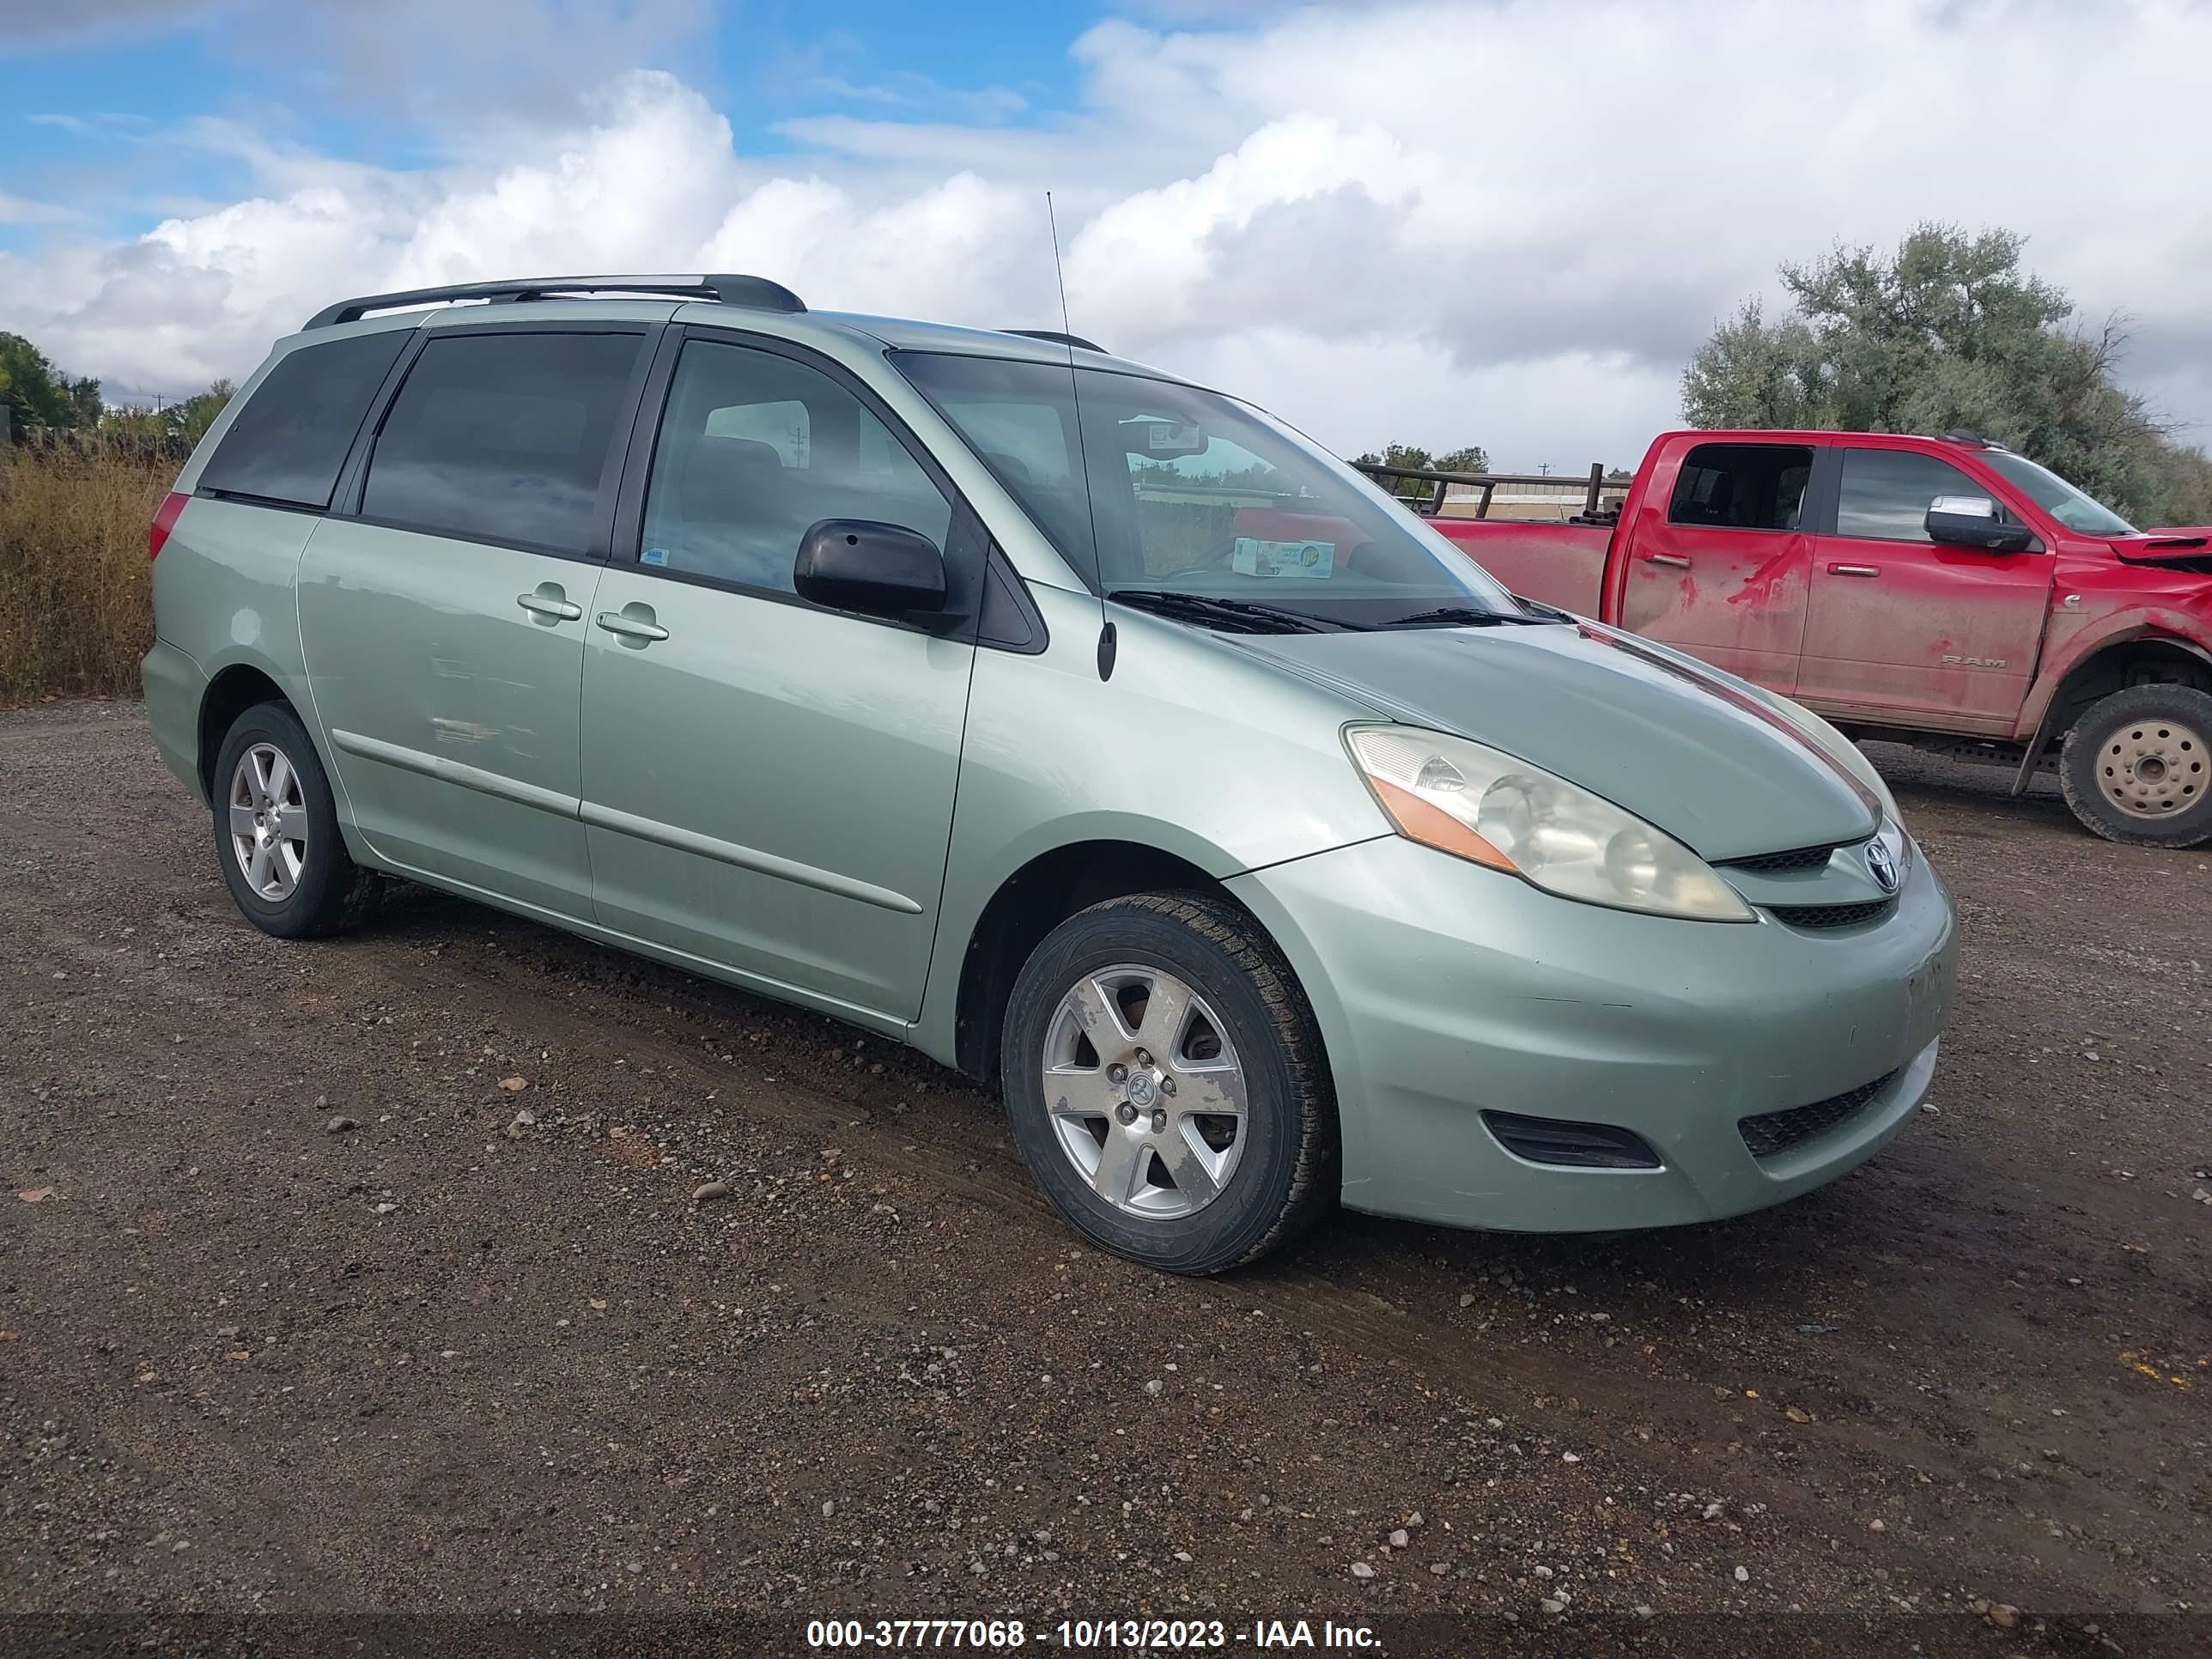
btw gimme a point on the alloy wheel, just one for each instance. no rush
(1145, 1092)
(268, 822)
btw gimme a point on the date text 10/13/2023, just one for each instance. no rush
(1087, 1635)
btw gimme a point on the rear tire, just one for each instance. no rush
(1193, 1010)
(276, 835)
(2138, 766)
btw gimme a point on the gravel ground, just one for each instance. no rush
(369, 1275)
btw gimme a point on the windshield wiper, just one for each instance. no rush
(1467, 616)
(1204, 607)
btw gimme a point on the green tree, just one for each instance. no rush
(185, 421)
(39, 393)
(1472, 459)
(1948, 332)
(1398, 455)
(190, 420)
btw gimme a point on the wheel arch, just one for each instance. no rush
(2133, 651)
(1028, 903)
(2138, 653)
(230, 692)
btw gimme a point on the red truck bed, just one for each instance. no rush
(1561, 564)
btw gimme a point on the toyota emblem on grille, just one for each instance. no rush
(1881, 867)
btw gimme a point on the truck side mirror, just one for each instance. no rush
(1974, 521)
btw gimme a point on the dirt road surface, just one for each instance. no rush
(481, 1350)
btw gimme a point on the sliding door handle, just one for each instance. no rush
(627, 626)
(1673, 560)
(1855, 570)
(549, 601)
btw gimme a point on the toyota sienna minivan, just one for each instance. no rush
(1092, 732)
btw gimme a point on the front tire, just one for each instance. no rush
(2138, 766)
(1166, 1084)
(276, 835)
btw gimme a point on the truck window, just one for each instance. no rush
(1885, 492)
(1741, 486)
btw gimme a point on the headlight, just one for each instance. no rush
(1463, 798)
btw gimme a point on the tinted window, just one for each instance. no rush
(503, 437)
(754, 448)
(288, 441)
(1885, 493)
(1741, 486)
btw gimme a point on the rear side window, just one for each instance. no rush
(1885, 492)
(1741, 486)
(503, 438)
(288, 442)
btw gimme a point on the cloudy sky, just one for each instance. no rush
(1472, 220)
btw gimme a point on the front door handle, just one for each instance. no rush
(632, 622)
(550, 601)
(1855, 570)
(1675, 559)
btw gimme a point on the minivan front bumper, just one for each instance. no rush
(1444, 990)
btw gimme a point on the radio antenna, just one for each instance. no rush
(1106, 635)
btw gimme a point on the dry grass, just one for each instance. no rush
(76, 600)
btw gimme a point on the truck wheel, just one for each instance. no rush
(1166, 1084)
(277, 834)
(2138, 766)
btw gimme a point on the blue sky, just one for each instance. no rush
(1507, 222)
(90, 114)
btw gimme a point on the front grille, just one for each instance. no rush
(1831, 915)
(1581, 1146)
(1802, 858)
(1772, 1132)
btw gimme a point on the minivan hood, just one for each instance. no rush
(1679, 747)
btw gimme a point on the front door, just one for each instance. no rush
(767, 784)
(1900, 627)
(443, 627)
(1719, 572)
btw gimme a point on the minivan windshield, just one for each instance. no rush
(2061, 500)
(1199, 505)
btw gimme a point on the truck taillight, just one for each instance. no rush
(165, 520)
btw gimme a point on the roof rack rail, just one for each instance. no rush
(1058, 339)
(730, 289)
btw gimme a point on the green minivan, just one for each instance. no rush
(1092, 732)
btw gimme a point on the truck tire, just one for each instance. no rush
(1192, 1008)
(2138, 766)
(276, 835)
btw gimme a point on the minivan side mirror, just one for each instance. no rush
(1974, 521)
(878, 570)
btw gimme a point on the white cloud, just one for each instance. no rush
(19, 210)
(1503, 223)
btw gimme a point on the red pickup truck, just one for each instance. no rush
(1940, 592)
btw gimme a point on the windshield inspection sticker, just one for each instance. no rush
(1252, 557)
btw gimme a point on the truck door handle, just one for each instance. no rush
(1674, 559)
(1855, 570)
(629, 625)
(550, 601)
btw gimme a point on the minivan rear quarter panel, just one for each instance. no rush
(223, 591)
